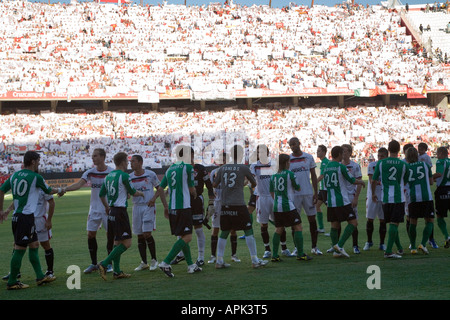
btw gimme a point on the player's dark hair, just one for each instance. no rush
(138, 158)
(101, 152)
(348, 147)
(407, 146)
(293, 139)
(323, 148)
(412, 155)
(336, 152)
(384, 151)
(394, 146)
(119, 158)
(423, 146)
(442, 150)
(29, 157)
(283, 162)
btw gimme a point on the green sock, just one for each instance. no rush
(116, 252)
(427, 232)
(397, 242)
(187, 254)
(275, 244)
(248, 232)
(33, 256)
(319, 216)
(334, 236)
(347, 233)
(177, 247)
(392, 235)
(116, 264)
(412, 233)
(298, 240)
(443, 226)
(16, 263)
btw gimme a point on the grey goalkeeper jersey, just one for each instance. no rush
(231, 179)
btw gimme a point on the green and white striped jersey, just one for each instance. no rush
(419, 174)
(335, 177)
(25, 186)
(179, 178)
(392, 172)
(443, 167)
(116, 187)
(283, 184)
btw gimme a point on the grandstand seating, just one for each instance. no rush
(79, 48)
(67, 140)
(437, 21)
(83, 47)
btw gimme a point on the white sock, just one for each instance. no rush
(251, 244)
(201, 240)
(221, 244)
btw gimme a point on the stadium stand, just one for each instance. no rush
(90, 50)
(65, 139)
(74, 50)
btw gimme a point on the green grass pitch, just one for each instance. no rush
(414, 277)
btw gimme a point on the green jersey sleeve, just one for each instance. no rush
(127, 183)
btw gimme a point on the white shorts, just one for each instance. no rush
(96, 220)
(264, 209)
(306, 202)
(42, 232)
(374, 210)
(215, 219)
(144, 219)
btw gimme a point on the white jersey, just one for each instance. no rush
(301, 167)
(262, 174)
(42, 205)
(354, 170)
(370, 171)
(96, 178)
(146, 183)
(426, 158)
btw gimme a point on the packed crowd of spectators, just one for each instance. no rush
(67, 140)
(81, 47)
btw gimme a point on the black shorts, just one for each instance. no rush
(119, 223)
(287, 219)
(394, 212)
(340, 214)
(442, 200)
(421, 209)
(198, 210)
(180, 222)
(23, 229)
(322, 196)
(235, 218)
(252, 200)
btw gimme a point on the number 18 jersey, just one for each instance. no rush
(283, 184)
